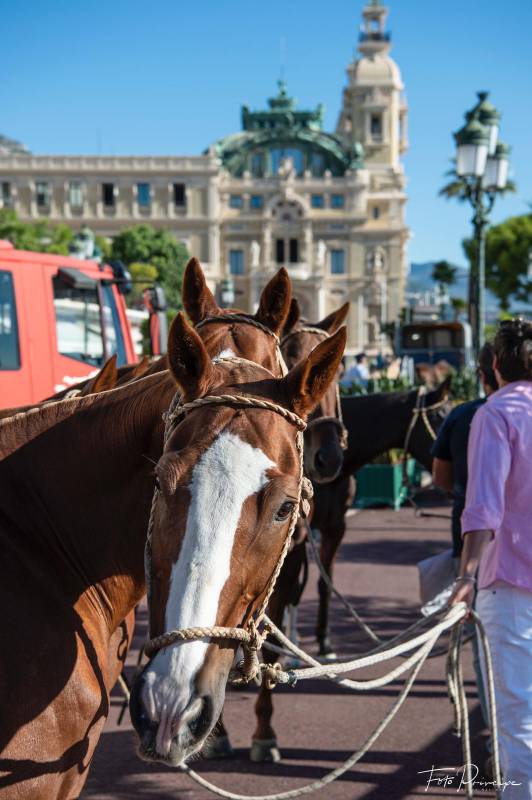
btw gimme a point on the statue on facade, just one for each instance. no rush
(286, 169)
(321, 253)
(84, 245)
(375, 262)
(255, 254)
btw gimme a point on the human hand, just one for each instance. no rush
(463, 592)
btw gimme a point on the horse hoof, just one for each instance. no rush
(217, 747)
(264, 750)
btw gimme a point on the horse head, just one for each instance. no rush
(325, 438)
(229, 486)
(257, 341)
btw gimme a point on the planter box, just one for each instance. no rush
(381, 484)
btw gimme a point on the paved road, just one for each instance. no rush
(319, 724)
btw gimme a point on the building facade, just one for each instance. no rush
(281, 192)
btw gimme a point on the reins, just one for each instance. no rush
(249, 637)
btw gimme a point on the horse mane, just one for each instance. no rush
(21, 428)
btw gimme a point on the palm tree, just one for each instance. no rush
(444, 274)
(460, 189)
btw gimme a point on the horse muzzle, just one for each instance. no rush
(167, 732)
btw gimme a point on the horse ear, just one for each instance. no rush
(198, 300)
(275, 302)
(308, 381)
(105, 379)
(294, 315)
(332, 322)
(140, 368)
(188, 359)
(441, 392)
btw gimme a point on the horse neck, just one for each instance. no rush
(80, 495)
(375, 423)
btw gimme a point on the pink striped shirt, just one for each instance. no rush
(499, 486)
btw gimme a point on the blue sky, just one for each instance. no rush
(170, 76)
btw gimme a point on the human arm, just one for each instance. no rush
(442, 474)
(474, 544)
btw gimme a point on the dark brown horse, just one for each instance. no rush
(375, 423)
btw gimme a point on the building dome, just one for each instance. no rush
(376, 69)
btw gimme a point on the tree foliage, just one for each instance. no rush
(37, 236)
(444, 273)
(143, 244)
(508, 253)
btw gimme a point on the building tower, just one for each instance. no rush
(374, 113)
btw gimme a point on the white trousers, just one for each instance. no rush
(506, 613)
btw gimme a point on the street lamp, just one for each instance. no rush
(482, 165)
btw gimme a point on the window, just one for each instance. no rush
(77, 322)
(179, 194)
(5, 194)
(256, 201)
(279, 154)
(236, 262)
(375, 126)
(337, 201)
(257, 165)
(9, 346)
(294, 251)
(279, 251)
(43, 194)
(143, 194)
(235, 201)
(108, 195)
(317, 164)
(338, 262)
(75, 194)
(376, 212)
(316, 201)
(114, 337)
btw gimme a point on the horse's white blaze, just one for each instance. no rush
(226, 474)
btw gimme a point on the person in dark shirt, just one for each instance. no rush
(449, 451)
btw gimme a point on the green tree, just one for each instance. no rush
(458, 188)
(508, 255)
(143, 244)
(143, 275)
(39, 236)
(444, 273)
(459, 305)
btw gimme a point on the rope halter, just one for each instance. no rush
(250, 639)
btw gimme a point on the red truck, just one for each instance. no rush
(60, 319)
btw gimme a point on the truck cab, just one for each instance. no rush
(60, 319)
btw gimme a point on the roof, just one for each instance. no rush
(283, 125)
(377, 68)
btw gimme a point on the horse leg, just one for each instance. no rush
(218, 744)
(264, 741)
(330, 541)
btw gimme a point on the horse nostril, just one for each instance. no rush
(202, 722)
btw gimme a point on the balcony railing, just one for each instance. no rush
(374, 36)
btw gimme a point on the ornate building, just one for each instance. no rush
(282, 191)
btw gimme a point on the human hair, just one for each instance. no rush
(485, 365)
(360, 358)
(513, 350)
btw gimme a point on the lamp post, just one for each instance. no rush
(482, 166)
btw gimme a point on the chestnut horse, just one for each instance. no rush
(271, 306)
(229, 484)
(325, 442)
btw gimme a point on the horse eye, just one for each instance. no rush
(285, 510)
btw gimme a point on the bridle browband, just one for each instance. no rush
(250, 639)
(338, 420)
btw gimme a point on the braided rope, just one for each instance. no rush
(305, 329)
(238, 400)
